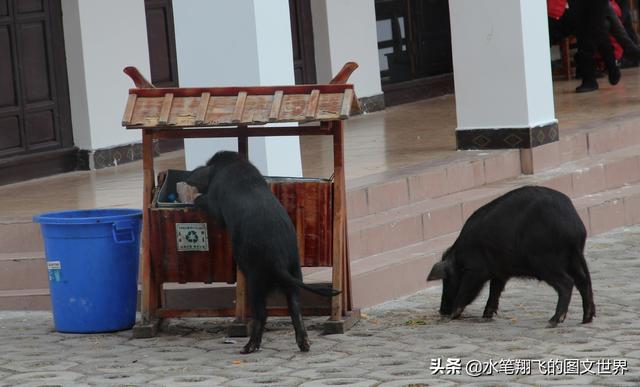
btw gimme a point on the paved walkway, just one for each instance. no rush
(401, 343)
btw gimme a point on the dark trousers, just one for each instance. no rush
(625, 7)
(592, 37)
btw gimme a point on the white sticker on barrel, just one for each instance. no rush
(192, 237)
(54, 267)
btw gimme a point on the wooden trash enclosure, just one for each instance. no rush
(317, 207)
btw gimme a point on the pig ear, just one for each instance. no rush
(199, 177)
(439, 271)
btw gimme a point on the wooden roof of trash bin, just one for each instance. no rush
(149, 107)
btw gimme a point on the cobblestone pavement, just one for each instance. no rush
(400, 343)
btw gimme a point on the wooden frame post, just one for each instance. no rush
(150, 297)
(239, 327)
(338, 221)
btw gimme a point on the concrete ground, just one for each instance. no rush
(400, 343)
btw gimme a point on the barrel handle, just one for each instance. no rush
(123, 232)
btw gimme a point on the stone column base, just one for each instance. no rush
(539, 146)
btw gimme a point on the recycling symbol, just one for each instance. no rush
(191, 236)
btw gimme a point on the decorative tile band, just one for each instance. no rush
(508, 138)
(109, 157)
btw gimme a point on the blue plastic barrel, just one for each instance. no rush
(92, 260)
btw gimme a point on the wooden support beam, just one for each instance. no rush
(347, 99)
(233, 91)
(202, 108)
(163, 119)
(171, 133)
(311, 109)
(338, 221)
(276, 105)
(239, 109)
(229, 312)
(128, 111)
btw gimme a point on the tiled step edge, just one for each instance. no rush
(419, 183)
(430, 218)
(22, 271)
(403, 271)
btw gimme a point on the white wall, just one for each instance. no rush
(243, 43)
(100, 40)
(537, 62)
(501, 63)
(343, 31)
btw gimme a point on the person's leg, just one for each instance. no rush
(627, 20)
(585, 33)
(617, 30)
(598, 16)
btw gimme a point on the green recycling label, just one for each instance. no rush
(192, 237)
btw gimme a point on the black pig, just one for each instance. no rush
(263, 238)
(532, 232)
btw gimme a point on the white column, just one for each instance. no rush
(240, 43)
(101, 39)
(343, 31)
(501, 64)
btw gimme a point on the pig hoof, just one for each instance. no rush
(487, 319)
(552, 324)
(488, 315)
(249, 348)
(304, 345)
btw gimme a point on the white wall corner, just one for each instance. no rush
(96, 54)
(346, 31)
(76, 76)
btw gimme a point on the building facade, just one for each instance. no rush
(62, 89)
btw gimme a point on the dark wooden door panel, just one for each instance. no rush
(162, 43)
(422, 48)
(8, 90)
(10, 138)
(28, 6)
(35, 118)
(304, 61)
(35, 65)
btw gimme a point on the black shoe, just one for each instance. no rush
(614, 75)
(587, 86)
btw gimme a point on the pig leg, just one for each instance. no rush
(293, 301)
(470, 287)
(495, 289)
(257, 299)
(582, 280)
(563, 284)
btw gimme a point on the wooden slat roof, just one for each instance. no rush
(225, 106)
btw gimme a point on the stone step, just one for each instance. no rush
(432, 217)
(26, 299)
(20, 235)
(463, 171)
(471, 169)
(19, 271)
(401, 271)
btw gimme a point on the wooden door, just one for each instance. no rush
(162, 53)
(35, 119)
(414, 39)
(304, 59)
(162, 43)
(432, 32)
